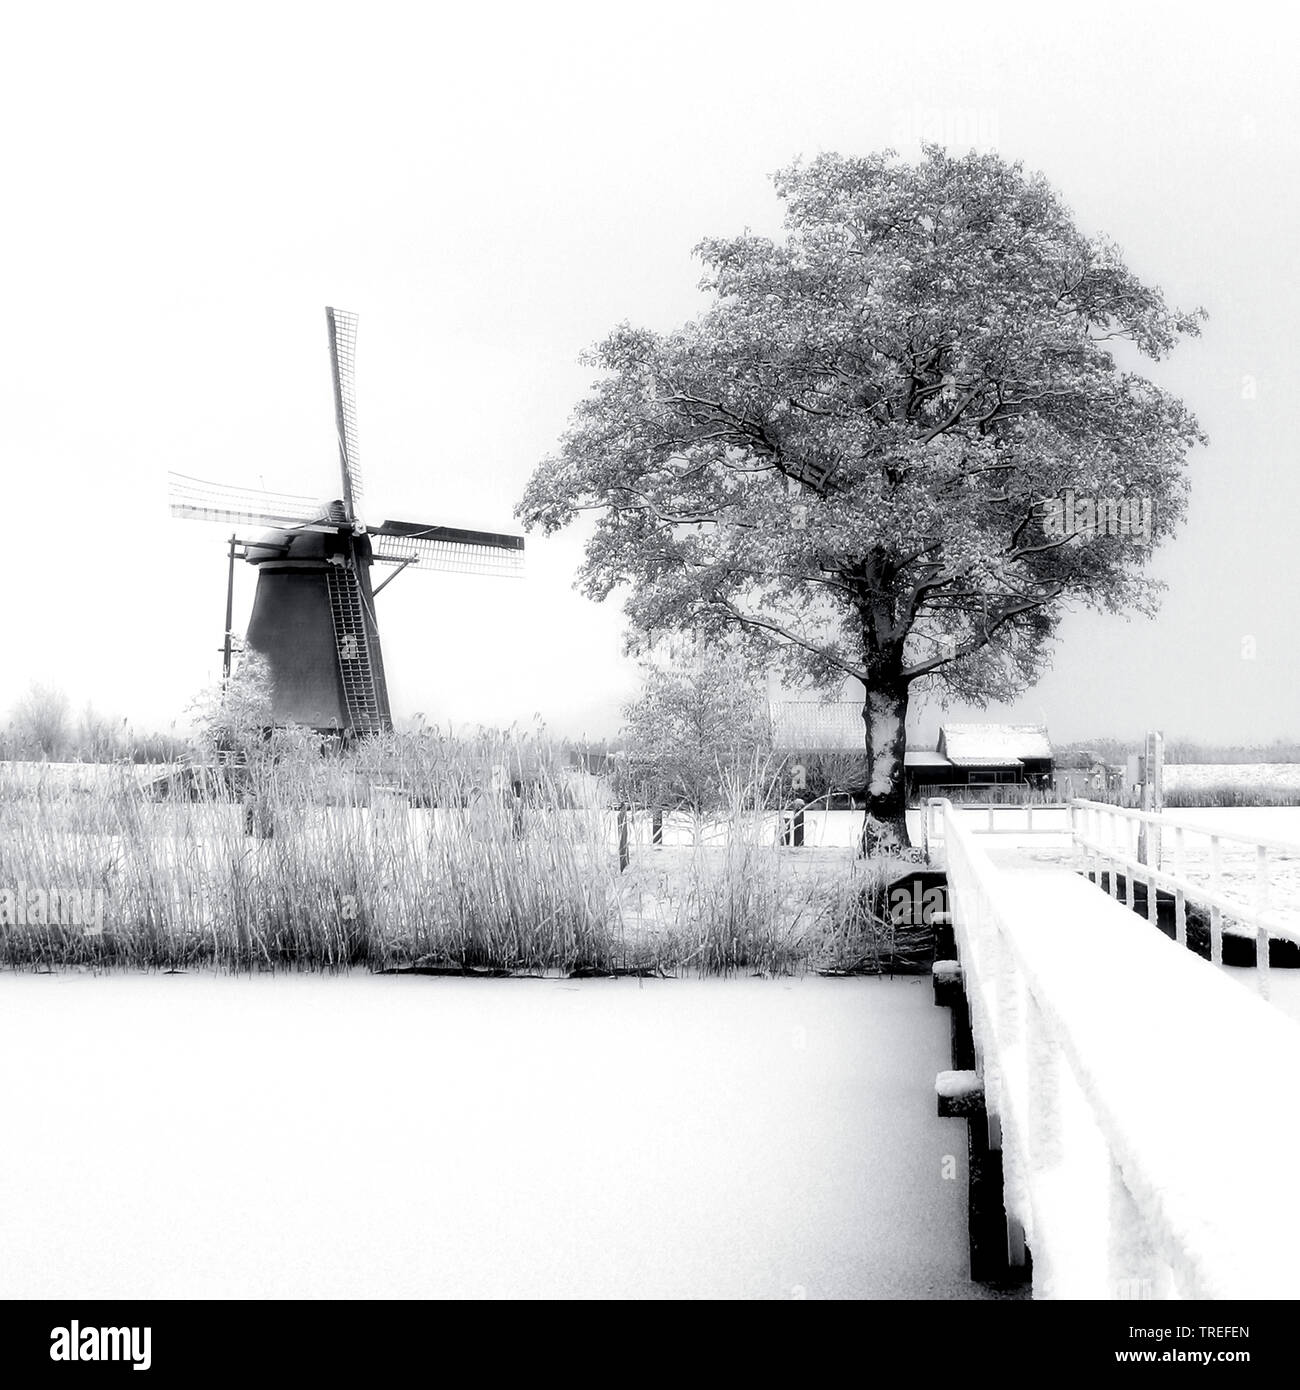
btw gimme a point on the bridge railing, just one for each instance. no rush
(1139, 1098)
(998, 818)
(1120, 841)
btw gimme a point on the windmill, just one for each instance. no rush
(313, 613)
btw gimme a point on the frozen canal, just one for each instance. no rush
(194, 1136)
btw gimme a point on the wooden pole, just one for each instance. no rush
(623, 858)
(230, 613)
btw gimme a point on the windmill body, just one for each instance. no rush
(314, 611)
(314, 620)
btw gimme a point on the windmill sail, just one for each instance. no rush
(205, 501)
(343, 359)
(447, 548)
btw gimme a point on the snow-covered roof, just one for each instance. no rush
(835, 726)
(924, 757)
(818, 726)
(993, 745)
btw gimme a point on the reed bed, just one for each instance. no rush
(409, 854)
(1232, 794)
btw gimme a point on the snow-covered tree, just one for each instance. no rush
(40, 724)
(234, 717)
(698, 729)
(858, 459)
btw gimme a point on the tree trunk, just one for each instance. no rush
(884, 828)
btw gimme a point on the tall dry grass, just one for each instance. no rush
(414, 853)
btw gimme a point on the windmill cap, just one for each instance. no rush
(297, 547)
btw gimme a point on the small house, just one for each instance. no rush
(967, 755)
(981, 755)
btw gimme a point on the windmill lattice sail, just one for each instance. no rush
(199, 500)
(343, 369)
(448, 548)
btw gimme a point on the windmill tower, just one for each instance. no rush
(314, 610)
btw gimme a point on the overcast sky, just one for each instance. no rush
(491, 188)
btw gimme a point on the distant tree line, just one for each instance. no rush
(42, 726)
(1086, 752)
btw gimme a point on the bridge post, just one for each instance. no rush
(949, 994)
(996, 1243)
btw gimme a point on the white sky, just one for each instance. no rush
(491, 190)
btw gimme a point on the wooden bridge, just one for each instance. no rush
(1132, 1109)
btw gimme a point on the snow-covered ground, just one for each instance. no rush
(80, 777)
(192, 1136)
(1269, 822)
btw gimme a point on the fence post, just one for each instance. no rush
(1180, 897)
(258, 819)
(1261, 907)
(622, 837)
